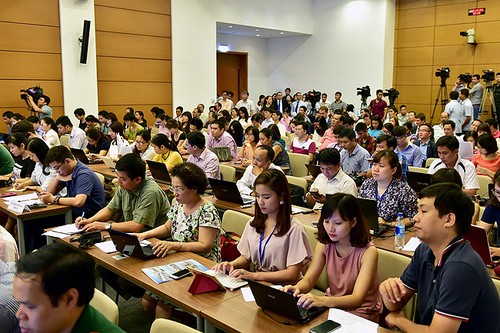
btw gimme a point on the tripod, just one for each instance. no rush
(489, 94)
(443, 95)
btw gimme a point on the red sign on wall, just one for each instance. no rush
(477, 11)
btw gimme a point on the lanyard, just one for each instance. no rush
(262, 252)
(383, 195)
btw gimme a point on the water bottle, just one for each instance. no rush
(399, 233)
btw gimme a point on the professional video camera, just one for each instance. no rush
(35, 92)
(393, 95)
(443, 73)
(488, 76)
(465, 78)
(364, 92)
(313, 96)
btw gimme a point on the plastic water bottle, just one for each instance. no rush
(399, 233)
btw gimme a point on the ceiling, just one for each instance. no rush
(244, 30)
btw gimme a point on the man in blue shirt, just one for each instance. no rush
(412, 152)
(85, 191)
(455, 291)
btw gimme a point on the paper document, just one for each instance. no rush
(22, 198)
(351, 323)
(412, 244)
(68, 229)
(106, 247)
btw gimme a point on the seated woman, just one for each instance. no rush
(24, 166)
(174, 134)
(303, 144)
(185, 121)
(392, 195)
(268, 137)
(376, 127)
(143, 146)
(92, 122)
(139, 116)
(166, 151)
(492, 212)
(236, 131)
(244, 118)
(115, 131)
(193, 224)
(251, 140)
(49, 129)
(351, 262)
(98, 143)
(273, 241)
(487, 162)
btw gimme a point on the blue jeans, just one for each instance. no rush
(476, 110)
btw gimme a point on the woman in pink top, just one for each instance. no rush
(272, 241)
(350, 258)
(487, 162)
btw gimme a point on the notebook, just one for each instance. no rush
(478, 239)
(370, 214)
(418, 181)
(109, 162)
(228, 191)
(130, 245)
(283, 303)
(314, 170)
(159, 172)
(80, 155)
(222, 280)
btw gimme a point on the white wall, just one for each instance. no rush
(79, 80)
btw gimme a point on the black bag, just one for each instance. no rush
(297, 195)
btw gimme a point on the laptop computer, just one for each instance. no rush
(159, 172)
(418, 181)
(478, 239)
(130, 245)
(228, 191)
(80, 155)
(109, 162)
(283, 303)
(313, 169)
(370, 214)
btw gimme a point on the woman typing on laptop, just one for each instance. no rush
(273, 241)
(350, 258)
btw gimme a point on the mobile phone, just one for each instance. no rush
(180, 274)
(7, 194)
(325, 327)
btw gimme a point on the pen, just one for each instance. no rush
(83, 214)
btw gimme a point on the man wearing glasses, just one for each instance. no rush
(85, 191)
(408, 149)
(427, 147)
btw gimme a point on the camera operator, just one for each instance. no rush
(377, 106)
(41, 106)
(496, 94)
(459, 84)
(476, 94)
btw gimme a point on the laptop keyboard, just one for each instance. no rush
(382, 228)
(227, 281)
(147, 250)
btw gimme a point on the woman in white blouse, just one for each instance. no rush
(49, 132)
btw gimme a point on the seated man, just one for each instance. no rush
(143, 203)
(220, 138)
(77, 137)
(409, 150)
(331, 180)
(85, 190)
(54, 286)
(364, 139)
(303, 144)
(447, 147)
(8, 304)
(353, 157)
(201, 156)
(262, 160)
(455, 291)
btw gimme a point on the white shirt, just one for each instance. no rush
(469, 111)
(77, 138)
(466, 170)
(438, 131)
(51, 138)
(245, 183)
(341, 183)
(267, 122)
(250, 105)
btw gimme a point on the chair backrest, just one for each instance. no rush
(105, 305)
(322, 283)
(234, 221)
(496, 282)
(228, 173)
(287, 140)
(100, 176)
(299, 181)
(417, 169)
(392, 264)
(164, 325)
(154, 131)
(484, 181)
(64, 140)
(429, 161)
(298, 164)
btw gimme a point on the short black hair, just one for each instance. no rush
(329, 156)
(58, 154)
(449, 122)
(46, 98)
(492, 122)
(79, 112)
(361, 127)
(60, 267)
(64, 121)
(33, 119)
(269, 151)
(161, 139)
(102, 113)
(454, 95)
(347, 133)
(129, 116)
(399, 131)
(8, 114)
(449, 198)
(197, 122)
(391, 141)
(132, 165)
(488, 142)
(448, 141)
(17, 139)
(196, 139)
(191, 176)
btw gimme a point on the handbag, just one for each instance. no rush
(229, 245)
(223, 153)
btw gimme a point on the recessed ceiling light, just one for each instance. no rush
(258, 35)
(223, 48)
(282, 33)
(256, 29)
(230, 26)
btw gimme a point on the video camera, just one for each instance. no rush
(364, 92)
(35, 92)
(465, 78)
(313, 96)
(488, 76)
(443, 73)
(393, 95)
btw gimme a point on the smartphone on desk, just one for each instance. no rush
(180, 274)
(325, 327)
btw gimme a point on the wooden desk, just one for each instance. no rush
(175, 292)
(103, 169)
(236, 315)
(240, 168)
(50, 210)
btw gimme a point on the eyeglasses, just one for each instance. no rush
(400, 137)
(57, 167)
(140, 142)
(495, 192)
(177, 189)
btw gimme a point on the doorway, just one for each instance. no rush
(232, 73)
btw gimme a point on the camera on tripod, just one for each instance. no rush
(364, 92)
(313, 96)
(393, 95)
(488, 76)
(35, 92)
(465, 78)
(443, 72)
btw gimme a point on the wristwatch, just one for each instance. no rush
(56, 199)
(108, 225)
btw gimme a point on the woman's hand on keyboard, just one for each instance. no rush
(223, 267)
(242, 274)
(291, 289)
(309, 300)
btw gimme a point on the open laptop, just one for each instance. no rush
(313, 169)
(80, 155)
(478, 239)
(370, 214)
(418, 181)
(283, 303)
(159, 172)
(228, 191)
(130, 245)
(109, 162)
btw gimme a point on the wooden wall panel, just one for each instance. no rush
(428, 38)
(144, 47)
(24, 65)
(14, 38)
(41, 12)
(117, 93)
(153, 6)
(115, 69)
